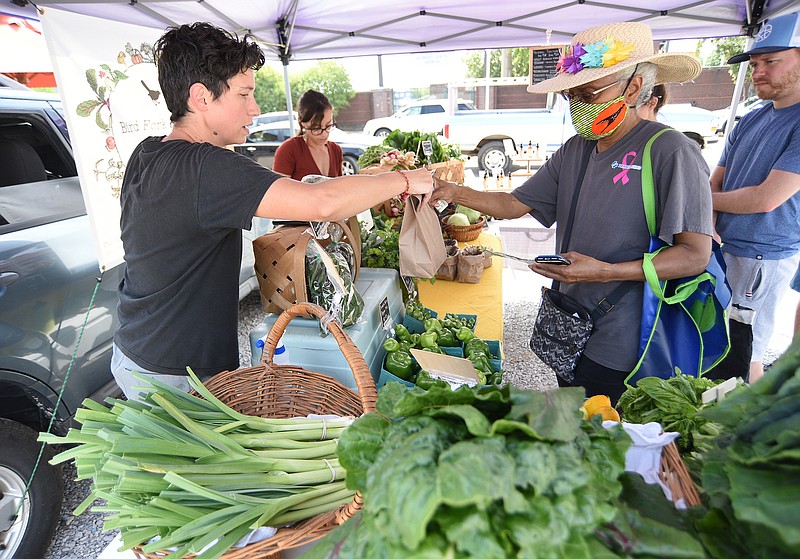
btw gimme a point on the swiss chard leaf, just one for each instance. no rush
(478, 472)
(473, 531)
(552, 415)
(359, 446)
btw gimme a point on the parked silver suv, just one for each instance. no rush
(57, 312)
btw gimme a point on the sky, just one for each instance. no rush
(400, 71)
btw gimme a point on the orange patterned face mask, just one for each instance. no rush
(597, 120)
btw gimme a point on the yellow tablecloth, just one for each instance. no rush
(484, 299)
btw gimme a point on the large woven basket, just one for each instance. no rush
(673, 474)
(464, 233)
(282, 391)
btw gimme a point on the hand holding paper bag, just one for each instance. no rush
(422, 249)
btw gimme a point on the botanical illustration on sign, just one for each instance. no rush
(104, 82)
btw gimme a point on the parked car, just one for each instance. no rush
(425, 116)
(264, 139)
(50, 299)
(494, 136)
(697, 123)
(742, 108)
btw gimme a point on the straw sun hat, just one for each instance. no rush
(607, 49)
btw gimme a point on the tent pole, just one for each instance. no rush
(288, 89)
(737, 91)
(753, 12)
(487, 73)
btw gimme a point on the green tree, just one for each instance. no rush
(474, 61)
(724, 48)
(270, 94)
(327, 77)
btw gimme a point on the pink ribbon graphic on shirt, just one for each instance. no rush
(623, 175)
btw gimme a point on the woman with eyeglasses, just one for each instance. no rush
(648, 110)
(310, 152)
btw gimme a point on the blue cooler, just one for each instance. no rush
(380, 288)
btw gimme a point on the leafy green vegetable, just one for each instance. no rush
(371, 156)
(674, 403)
(487, 473)
(380, 247)
(751, 474)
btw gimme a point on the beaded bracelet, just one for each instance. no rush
(405, 193)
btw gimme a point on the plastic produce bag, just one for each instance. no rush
(330, 285)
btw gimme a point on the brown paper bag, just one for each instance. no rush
(449, 268)
(470, 265)
(421, 244)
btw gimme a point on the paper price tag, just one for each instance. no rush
(386, 316)
(411, 288)
(427, 147)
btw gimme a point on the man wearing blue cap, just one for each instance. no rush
(755, 194)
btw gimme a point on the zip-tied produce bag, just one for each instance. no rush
(421, 245)
(329, 283)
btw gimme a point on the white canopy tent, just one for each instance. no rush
(102, 53)
(312, 29)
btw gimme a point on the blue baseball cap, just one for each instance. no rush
(777, 34)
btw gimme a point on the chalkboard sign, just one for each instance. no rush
(543, 62)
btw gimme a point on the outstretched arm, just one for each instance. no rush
(341, 197)
(500, 205)
(688, 256)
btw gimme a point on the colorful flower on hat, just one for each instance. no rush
(617, 52)
(599, 54)
(594, 54)
(571, 61)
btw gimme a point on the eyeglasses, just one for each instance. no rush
(585, 96)
(318, 131)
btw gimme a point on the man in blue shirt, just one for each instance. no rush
(755, 193)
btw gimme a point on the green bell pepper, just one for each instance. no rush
(433, 349)
(464, 334)
(446, 339)
(391, 345)
(402, 333)
(476, 344)
(426, 381)
(428, 339)
(400, 364)
(405, 346)
(480, 362)
(432, 324)
(415, 340)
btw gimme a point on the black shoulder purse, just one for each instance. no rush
(563, 326)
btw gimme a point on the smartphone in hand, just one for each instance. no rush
(552, 259)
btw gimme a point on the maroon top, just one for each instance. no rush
(294, 159)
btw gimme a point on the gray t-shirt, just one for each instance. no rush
(610, 223)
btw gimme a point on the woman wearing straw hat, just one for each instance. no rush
(604, 74)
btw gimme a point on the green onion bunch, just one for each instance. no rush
(197, 475)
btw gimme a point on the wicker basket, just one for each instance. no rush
(463, 233)
(673, 474)
(280, 262)
(283, 391)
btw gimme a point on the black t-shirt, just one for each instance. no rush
(184, 206)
